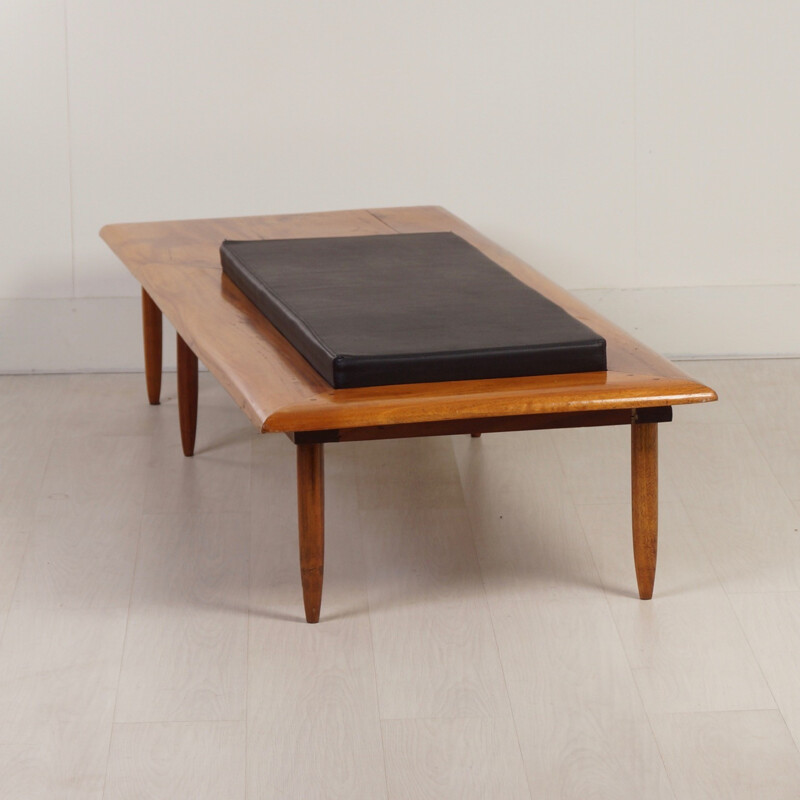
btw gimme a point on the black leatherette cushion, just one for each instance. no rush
(407, 308)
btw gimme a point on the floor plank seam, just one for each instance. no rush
(32, 518)
(377, 696)
(122, 649)
(247, 670)
(620, 641)
(28, 537)
(697, 538)
(471, 522)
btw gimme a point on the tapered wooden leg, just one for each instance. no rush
(187, 395)
(151, 328)
(311, 518)
(644, 496)
(475, 435)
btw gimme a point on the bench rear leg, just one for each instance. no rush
(187, 395)
(151, 328)
(644, 498)
(311, 519)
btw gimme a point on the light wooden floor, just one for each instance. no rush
(480, 633)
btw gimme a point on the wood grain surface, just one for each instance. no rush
(152, 332)
(311, 519)
(479, 613)
(199, 760)
(177, 263)
(644, 496)
(187, 395)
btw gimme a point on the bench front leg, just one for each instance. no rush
(644, 498)
(151, 329)
(311, 523)
(187, 395)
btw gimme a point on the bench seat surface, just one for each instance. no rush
(178, 264)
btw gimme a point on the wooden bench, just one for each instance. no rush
(178, 266)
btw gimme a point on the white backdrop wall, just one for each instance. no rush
(644, 154)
